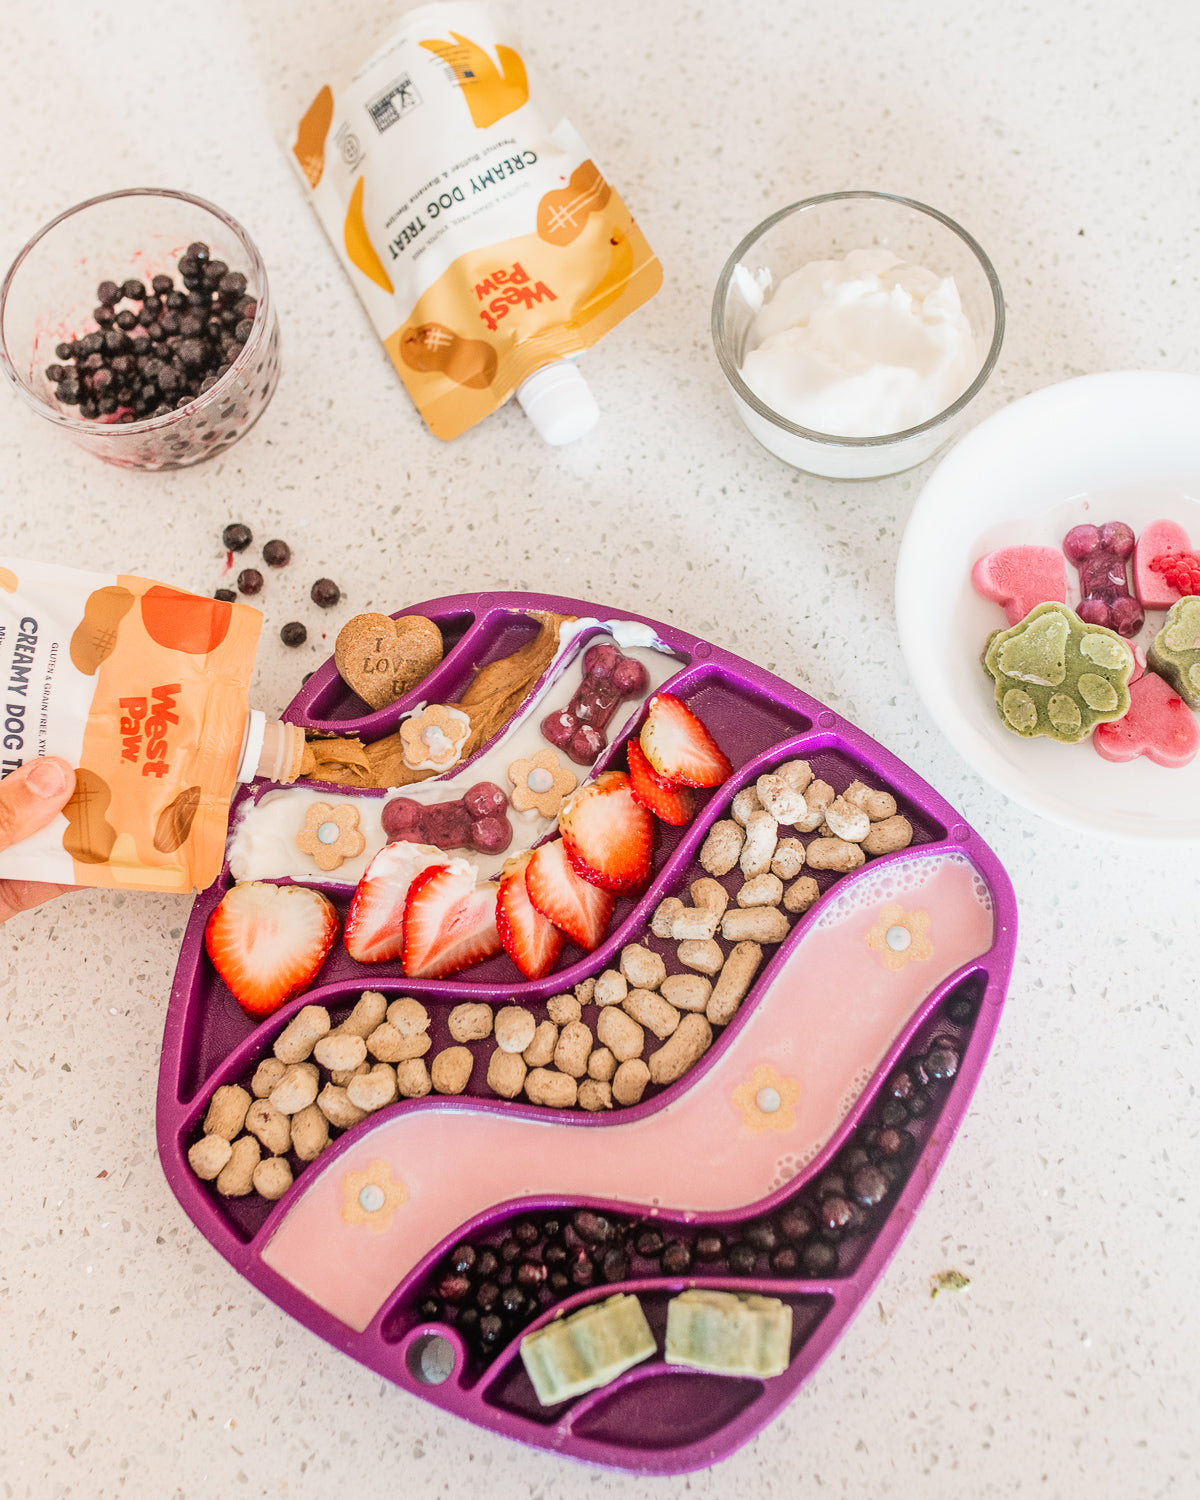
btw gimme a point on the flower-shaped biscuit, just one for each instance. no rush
(541, 783)
(372, 1197)
(899, 936)
(432, 740)
(766, 1100)
(330, 834)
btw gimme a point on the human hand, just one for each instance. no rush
(30, 797)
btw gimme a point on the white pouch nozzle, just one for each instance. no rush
(556, 399)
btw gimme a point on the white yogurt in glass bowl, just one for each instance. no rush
(855, 329)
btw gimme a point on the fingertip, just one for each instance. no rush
(50, 777)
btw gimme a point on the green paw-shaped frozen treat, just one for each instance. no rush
(1057, 676)
(1175, 651)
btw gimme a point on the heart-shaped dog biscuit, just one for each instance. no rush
(1157, 539)
(381, 658)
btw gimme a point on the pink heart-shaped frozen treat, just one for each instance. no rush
(1159, 725)
(1020, 577)
(1149, 584)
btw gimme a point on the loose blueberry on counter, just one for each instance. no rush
(293, 634)
(325, 593)
(277, 554)
(236, 537)
(250, 581)
(227, 595)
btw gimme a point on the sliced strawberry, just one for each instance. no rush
(449, 921)
(581, 910)
(267, 942)
(531, 940)
(672, 803)
(607, 834)
(375, 921)
(679, 747)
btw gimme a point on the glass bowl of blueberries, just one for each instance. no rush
(140, 324)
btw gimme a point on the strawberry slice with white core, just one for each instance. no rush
(673, 804)
(267, 942)
(531, 940)
(375, 921)
(581, 910)
(679, 747)
(449, 921)
(607, 834)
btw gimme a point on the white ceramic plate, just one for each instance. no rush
(1112, 447)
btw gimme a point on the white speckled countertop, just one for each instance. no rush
(134, 1361)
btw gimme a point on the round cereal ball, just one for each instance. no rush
(450, 1071)
(514, 1028)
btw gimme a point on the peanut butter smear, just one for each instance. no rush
(494, 695)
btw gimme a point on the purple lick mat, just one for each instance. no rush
(816, 1236)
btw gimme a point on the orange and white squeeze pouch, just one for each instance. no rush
(480, 235)
(145, 690)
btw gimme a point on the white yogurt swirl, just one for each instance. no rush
(861, 347)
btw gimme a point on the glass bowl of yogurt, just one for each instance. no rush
(855, 329)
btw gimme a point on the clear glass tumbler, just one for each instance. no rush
(50, 292)
(828, 228)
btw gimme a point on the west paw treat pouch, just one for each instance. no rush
(143, 688)
(481, 236)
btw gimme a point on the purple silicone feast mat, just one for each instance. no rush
(786, 1157)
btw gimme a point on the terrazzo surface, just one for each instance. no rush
(133, 1361)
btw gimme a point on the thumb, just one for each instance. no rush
(32, 795)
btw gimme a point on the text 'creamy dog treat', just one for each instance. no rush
(483, 240)
(144, 689)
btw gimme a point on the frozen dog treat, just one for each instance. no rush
(588, 1349)
(1166, 566)
(1057, 676)
(1159, 725)
(1101, 553)
(1018, 578)
(1175, 651)
(729, 1333)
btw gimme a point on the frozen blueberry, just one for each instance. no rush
(649, 1242)
(676, 1259)
(819, 1258)
(250, 580)
(277, 554)
(742, 1258)
(710, 1245)
(134, 290)
(869, 1186)
(227, 595)
(785, 1261)
(293, 634)
(796, 1222)
(325, 593)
